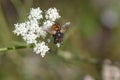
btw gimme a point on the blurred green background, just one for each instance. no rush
(93, 37)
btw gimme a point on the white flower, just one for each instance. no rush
(32, 25)
(41, 48)
(35, 13)
(20, 29)
(52, 14)
(41, 32)
(47, 24)
(30, 38)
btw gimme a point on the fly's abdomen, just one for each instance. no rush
(58, 37)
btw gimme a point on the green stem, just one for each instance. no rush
(14, 48)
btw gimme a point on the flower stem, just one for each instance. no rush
(14, 48)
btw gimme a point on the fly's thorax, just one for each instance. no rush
(56, 27)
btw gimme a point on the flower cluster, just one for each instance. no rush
(33, 29)
(51, 16)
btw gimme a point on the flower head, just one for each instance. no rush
(41, 48)
(33, 30)
(35, 13)
(20, 29)
(30, 38)
(52, 14)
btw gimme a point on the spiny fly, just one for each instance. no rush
(57, 32)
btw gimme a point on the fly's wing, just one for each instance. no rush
(51, 31)
(65, 27)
